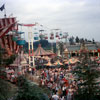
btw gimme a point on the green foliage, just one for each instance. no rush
(10, 59)
(4, 90)
(2, 51)
(7, 90)
(27, 91)
(6, 61)
(61, 46)
(87, 78)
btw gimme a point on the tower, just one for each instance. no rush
(30, 47)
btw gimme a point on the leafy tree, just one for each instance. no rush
(61, 47)
(10, 59)
(6, 90)
(87, 75)
(77, 39)
(5, 61)
(2, 52)
(93, 41)
(27, 91)
(86, 40)
(71, 40)
(82, 40)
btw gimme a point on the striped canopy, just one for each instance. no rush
(6, 40)
(6, 25)
(40, 51)
(58, 63)
(72, 61)
(10, 45)
(49, 64)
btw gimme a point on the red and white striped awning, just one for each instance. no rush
(10, 45)
(6, 25)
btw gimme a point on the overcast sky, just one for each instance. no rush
(77, 17)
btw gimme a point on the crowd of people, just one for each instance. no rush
(59, 81)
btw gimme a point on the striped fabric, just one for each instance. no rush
(40, 51)
(10, 46)
(6, 25)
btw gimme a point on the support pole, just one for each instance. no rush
(30, 47)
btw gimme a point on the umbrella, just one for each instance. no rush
(48, 64)
(58, 63)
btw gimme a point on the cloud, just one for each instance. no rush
(78, 17)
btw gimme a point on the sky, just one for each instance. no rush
(77, 17)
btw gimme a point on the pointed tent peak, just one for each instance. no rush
(58, 63)
(66, 50)
(40, 51)
(49, 63)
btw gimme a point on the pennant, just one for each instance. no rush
(2, 7)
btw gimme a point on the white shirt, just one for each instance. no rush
(55, 97)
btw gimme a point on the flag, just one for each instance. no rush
(2, 7)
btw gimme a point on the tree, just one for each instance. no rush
(2, 52)
(61, 47)
(5, 61)
(10, 60)
(77, 39)
(27, 91)
(93, 41)
(6, 89)
(71, 40)
(87, 75)
(82, 40)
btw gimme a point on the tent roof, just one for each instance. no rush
(6, 25)
(58, 63)
(71, 61)
(20, 60)
(41, 52)
(48, 64)
(46, 57)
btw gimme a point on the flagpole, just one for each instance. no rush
(4, 12)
